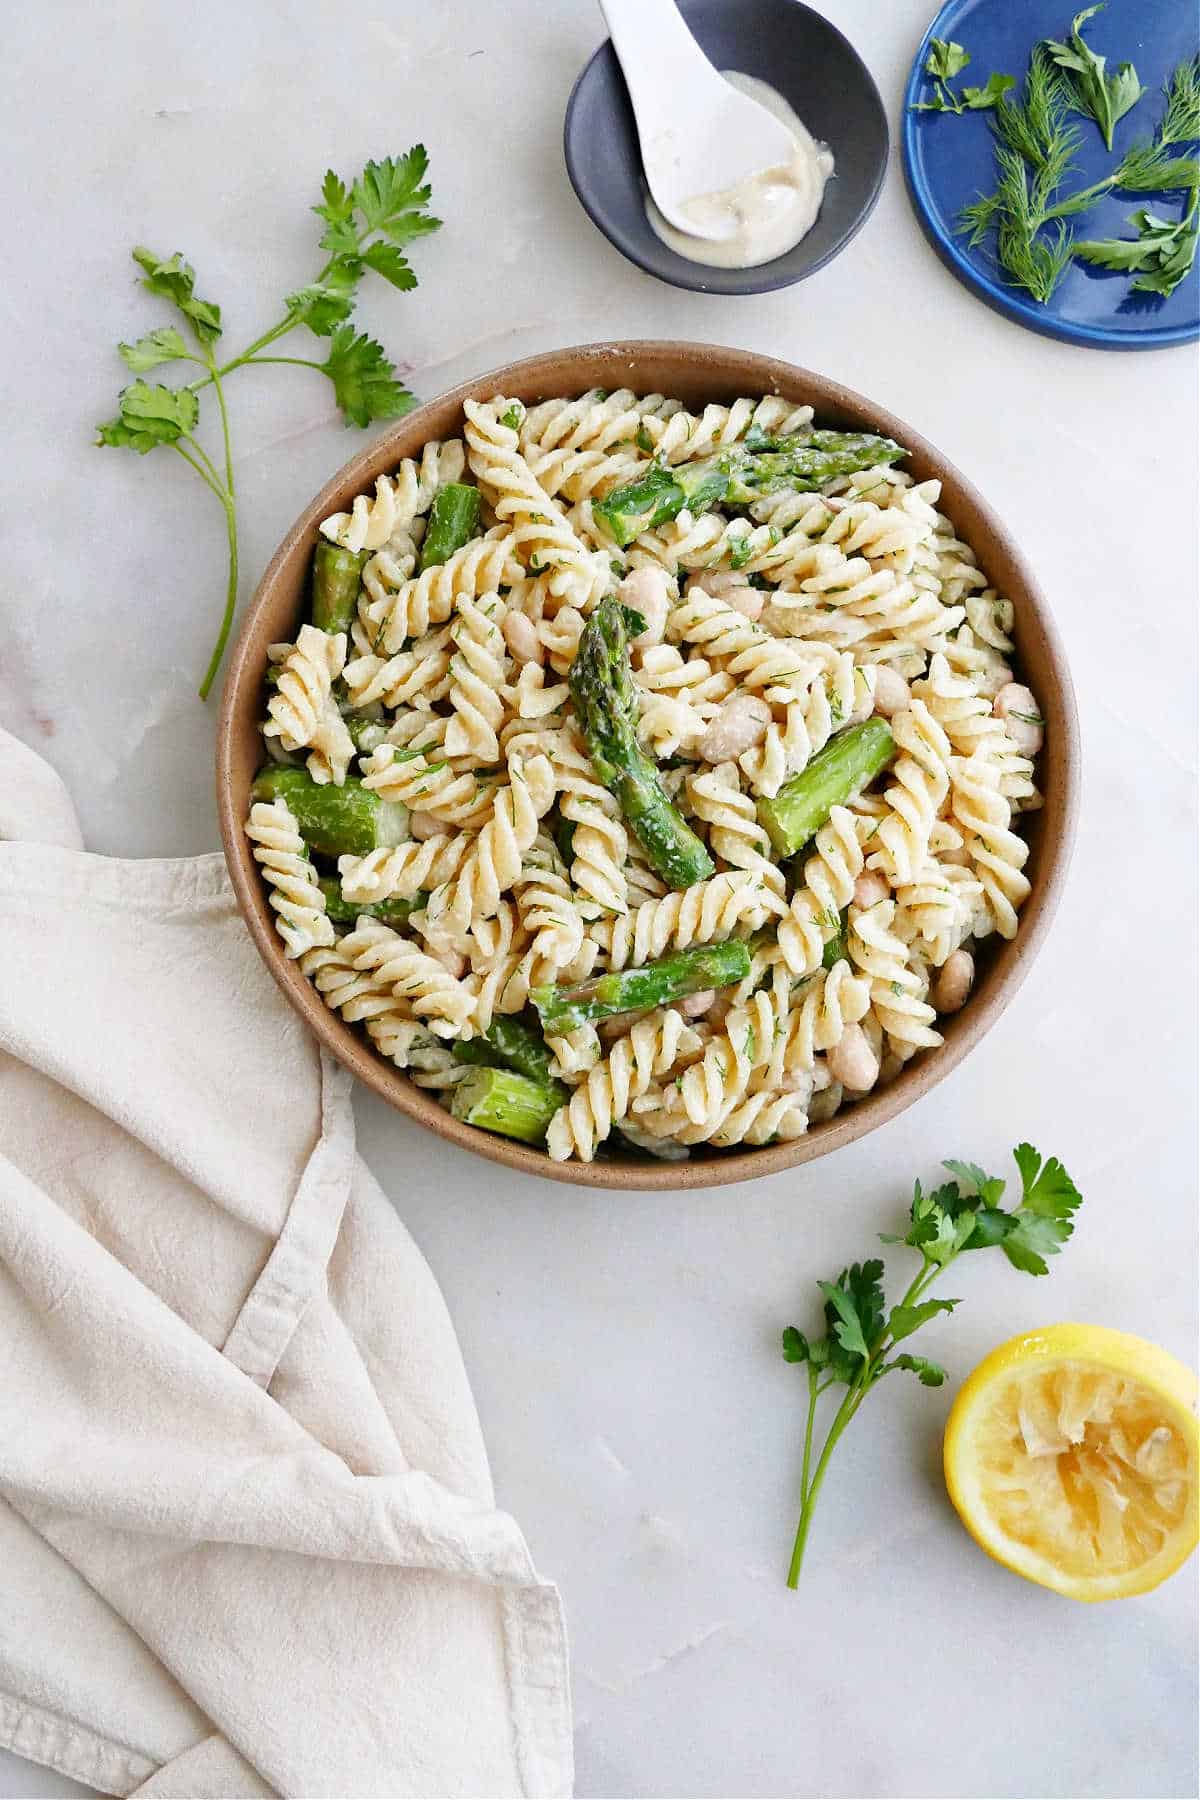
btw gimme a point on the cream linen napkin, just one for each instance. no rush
(248, 1543)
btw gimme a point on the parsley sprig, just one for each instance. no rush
(1103, 97)
(946, 60)
(367, 226)
(859, 1348)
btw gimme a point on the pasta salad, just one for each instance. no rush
(646, 777)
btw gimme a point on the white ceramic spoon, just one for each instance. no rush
(698, 134)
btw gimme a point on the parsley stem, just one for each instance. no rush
(856, 1393)
(216, 483)
(230, 602)
(813, 1391)
(278, 330)
(842, 1418)
(210, 481)
(298, 362)
(230, 505)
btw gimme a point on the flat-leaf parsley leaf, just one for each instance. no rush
(944, 61)
(1105, 98)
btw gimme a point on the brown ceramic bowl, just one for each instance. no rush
(695, 374)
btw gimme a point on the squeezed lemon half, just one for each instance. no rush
(1072, 1457)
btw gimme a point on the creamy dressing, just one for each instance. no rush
(768, 212)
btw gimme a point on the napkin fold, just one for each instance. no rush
(248, 1540)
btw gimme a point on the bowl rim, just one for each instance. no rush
(729, 371)
(697, 278)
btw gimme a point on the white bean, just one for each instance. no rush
(869, 890)
(694, 1006)
(953, 982)
(423, 825)
(746, 600)
(853, 1062)
(1016, 705)
(735, 727)
(645, 590)
(891, 692)
(454, 963)
(717, 582)
(520, 634)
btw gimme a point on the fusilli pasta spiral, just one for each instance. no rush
(398, 499)
(294, 893)
(302, 713)
(396, 962)
(476, 678)
(651, 1048)
(732, 903)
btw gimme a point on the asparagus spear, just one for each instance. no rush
(501, 1101)
(342, 911)
(453, 522)
(336, 581)
(334, 821)
(658, 983)
(659, 495)
(738, 477)
(757, 441)
(838, 772)
(366, 732)
(510, 1043)
(605, 697)
(809, 465)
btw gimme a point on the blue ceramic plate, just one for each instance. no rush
(948, 161)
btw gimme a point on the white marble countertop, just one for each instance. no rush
(623, 1348)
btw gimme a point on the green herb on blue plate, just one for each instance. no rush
(1103, 97)
(946, 60)
(1164, 251)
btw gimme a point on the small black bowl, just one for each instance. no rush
(816, 70)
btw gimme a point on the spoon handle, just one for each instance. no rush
(658, 54)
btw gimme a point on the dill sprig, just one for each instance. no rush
(1181, 121)
(1035, 154)
(1036, 126)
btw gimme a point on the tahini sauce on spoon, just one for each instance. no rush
(765, 214)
